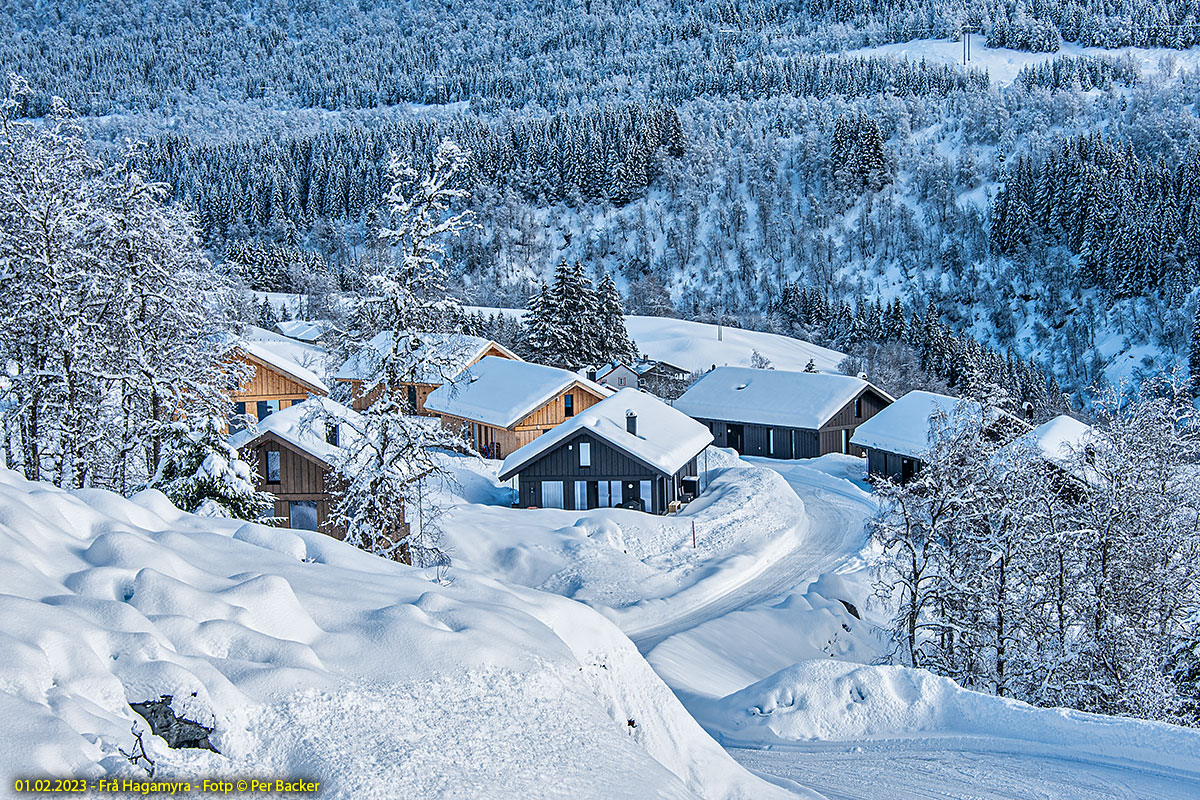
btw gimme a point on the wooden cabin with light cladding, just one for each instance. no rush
(501, 405)
(277, 382)
(434, 357)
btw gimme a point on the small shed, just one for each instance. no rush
(502, 405)
(630, 450)
(782, 414)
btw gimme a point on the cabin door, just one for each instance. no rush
(906, 470)
(735, 437)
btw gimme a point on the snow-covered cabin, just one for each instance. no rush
(434, 358)
(780, 414)
(615, 375)
(896, 439)
(630, 450)
(302, 330)
(502, 404)
(1064, 443)
(278, 381)
(294, 452)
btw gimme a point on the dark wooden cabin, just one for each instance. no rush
(781, 414)
(630, 451)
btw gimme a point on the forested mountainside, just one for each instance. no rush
(720, 159)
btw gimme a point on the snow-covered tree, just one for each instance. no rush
(202, 474)
(386, 479)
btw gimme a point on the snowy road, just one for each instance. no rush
(965, 769)
(837, 510)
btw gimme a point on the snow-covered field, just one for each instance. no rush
(700, 345)
(312, 659)
(1003, 65)
(638, 569)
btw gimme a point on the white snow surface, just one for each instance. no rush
(303, 425)
(903, 427)
(638, 569)
(700, 346)
(301, 329)
(769, 396)
(312, 659)
(666, 439)
(501, 391)
(452, 352)
(1059, 439)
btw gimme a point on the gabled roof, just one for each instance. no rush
(771, 397)
(302, 426)
(666, 440)
(451, 354)
(301, 329)
(1060, 441)
(642, 367)
(272, 358)
(903, 427)
(502, 392)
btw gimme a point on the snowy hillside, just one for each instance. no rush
(311, 659)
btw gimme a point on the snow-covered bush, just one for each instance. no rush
(202, 474)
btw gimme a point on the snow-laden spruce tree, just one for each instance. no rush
(614, 343)
(112, 313)
(201, 473)
(571, 324)
(388, 476)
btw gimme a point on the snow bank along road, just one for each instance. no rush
(957, 769)
(837, 510)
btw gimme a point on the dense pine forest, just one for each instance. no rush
(717, 159)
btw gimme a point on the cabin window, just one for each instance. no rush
(272, 466)
(412, 399)
(771, 441)
(620, 381)
(552, 494)
(331, 433)
(266, 408)
(608, 494)
(858, 408)
(581, 503)
(647, 495)
(569, 405)
(845, 440)
(303, 514)
(585, 454)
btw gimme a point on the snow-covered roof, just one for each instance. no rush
(301, 329)
(644, 366)
(265, 353)
(903, 427)
(1060, 441)
(502, 392)
(770, 397)
(666, 439)
(451, 353)
(303, 426)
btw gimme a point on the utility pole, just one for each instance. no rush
(967, 30)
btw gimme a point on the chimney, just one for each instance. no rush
(631, 422)
(591, 374)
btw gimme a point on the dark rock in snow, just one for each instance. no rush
(177, 731)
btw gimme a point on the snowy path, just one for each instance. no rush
(962, 768)
(837, 510)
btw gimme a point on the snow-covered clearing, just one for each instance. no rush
(700, 345)
(312, 659)
(1003, 65)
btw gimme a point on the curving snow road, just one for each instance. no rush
(837, 511)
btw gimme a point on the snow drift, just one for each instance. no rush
(312, 659)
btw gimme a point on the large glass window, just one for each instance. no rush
(569, 405)
(303, 514)
(647, 495)
(585, 454)
(552, 494)
(272, 466)
(608, 494)
(581, 503)
(266, 408)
